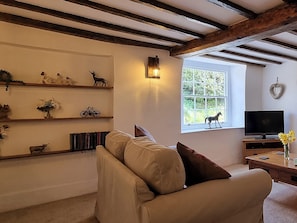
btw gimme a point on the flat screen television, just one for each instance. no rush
(263, 123)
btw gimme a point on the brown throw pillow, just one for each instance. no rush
(199, 168)
(140, 131)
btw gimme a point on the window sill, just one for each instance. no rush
(185, 131)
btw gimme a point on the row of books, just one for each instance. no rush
(86, 140)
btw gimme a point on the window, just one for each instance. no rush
(206, 91)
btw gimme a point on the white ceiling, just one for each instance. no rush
(202, 8)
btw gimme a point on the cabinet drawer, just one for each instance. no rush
(288, 178)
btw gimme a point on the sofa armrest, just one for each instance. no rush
(211, 201)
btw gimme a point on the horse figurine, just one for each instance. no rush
(98, 79)
(215, 119)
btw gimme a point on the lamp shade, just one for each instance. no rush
(153, 69)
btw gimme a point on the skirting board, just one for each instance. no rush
(22, 199)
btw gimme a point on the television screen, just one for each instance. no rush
(264, 123)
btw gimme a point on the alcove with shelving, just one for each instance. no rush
(27, 125)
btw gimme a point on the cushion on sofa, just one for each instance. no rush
(160, 167)
(199, 168)
(115, 143)
(140, 131)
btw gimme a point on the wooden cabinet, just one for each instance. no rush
(28, 127)
(252, 146)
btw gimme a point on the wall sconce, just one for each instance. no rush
(153, 69)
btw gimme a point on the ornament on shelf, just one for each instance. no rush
(3, 131)
(6, 77)
(98, 80)
(4, 111)
(89, 112)
(47, 106)
(37, 149)
(45, 79)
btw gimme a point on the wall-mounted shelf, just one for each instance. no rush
(41, 154)
(54, 85)
(53, 119)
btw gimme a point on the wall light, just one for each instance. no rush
(153, 69)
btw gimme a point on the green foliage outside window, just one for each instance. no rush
(204, 94)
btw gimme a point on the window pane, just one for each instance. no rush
(200, 103)
(188, 88)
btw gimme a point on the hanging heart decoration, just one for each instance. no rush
(276, 90)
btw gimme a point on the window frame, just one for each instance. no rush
(215, 68)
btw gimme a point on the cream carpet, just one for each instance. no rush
(73, 210)
(279, 207)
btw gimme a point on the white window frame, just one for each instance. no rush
(228, 111)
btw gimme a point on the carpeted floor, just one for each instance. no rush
(279, 207)
(73, 210)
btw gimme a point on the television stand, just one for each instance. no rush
(254, 146)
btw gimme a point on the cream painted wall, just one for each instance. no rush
(286, 75)
(154, 104)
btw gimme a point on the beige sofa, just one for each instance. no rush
(140, 181)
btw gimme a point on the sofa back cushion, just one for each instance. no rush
(115, 143)
(198, 167)
(160, 167)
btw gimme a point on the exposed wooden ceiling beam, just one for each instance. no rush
(235, 8)
(180, 12)
(294, 32)
(280, 43)
(267, 52)
(87, 21)
(135, 17)
(74, 31)
(234, 60)
(251, 57)
(277, 20)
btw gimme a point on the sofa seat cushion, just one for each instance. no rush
(115, 143)
(198, 167)
(160, 167)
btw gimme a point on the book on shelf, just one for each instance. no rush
(87, 140)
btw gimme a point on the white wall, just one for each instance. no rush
(286, 75)
(152, 103)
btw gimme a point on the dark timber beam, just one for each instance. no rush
(87, 21)
(74, 31)
(135, 17)
(251, 57)
(235, 8)
(162, 6)
(234, 60)
(280, 43)
(267, 52)
(274, 21)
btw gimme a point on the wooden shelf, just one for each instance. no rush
(53, 119)
(54, 85)
(41, 154)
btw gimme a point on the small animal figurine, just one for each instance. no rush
(60, 79)
(37, 149)
(46, 79)
(4, 111)
(98, 80)
(215, 119)
(69, 81)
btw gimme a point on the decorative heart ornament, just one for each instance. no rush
(276, 90)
